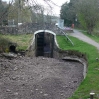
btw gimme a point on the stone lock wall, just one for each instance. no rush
(26, 28)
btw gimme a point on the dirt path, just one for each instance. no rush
(38, 78)
(84, 38)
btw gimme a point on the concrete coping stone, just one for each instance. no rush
(79, 60)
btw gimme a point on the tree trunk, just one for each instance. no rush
(90, 30)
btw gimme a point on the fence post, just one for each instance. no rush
(92, 95)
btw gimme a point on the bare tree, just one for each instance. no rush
(19, 12)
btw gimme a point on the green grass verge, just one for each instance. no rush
(22, 40)
(91, 82)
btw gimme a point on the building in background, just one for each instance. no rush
(60, 23)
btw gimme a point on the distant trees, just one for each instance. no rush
(3, 13)
(84, 11)
(88, 14)
(22, 11)
(37, 12)
(19, 12)
(68, 13)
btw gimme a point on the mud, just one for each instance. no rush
(38, 78)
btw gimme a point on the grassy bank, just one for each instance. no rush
(91, 82)
(22, 40)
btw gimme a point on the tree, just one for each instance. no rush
(68, 13)
(37, 13)
(3, 13)
(19, 12)
(88, 14)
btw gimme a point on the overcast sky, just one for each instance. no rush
(55, 8)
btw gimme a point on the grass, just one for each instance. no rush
(4, 44)
(22, 40)
(91, 82)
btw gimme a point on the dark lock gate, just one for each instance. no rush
(44, 43)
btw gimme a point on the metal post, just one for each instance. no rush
(92, 95)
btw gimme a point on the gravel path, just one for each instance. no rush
(39, 78)
(84, 38)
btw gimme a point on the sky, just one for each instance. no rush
(55, 8)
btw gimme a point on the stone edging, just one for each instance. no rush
(79, 60)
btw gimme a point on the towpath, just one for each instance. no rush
(84, 38)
